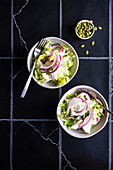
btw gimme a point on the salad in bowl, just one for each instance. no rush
(80, 114)
(56, 65)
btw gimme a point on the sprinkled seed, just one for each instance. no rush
(100, 28)
(82, 46)
(95, 28)
(93, 43)
(91, 21)
(87, 52)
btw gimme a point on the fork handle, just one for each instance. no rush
(107, 110)
(27, 83)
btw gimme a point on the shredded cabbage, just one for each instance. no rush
(63, 74)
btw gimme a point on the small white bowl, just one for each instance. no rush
(95, 129)
(74, 68)
(80, 23)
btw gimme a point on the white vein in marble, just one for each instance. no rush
(18, 72)
(68, 163)
(48, 139)
(23, 43)
(18, 128)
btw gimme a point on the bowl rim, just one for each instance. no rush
(68, 44)
(69, 130)
(85, 20)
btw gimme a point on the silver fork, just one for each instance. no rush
(36, 52)
(94, 96)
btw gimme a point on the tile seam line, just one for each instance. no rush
(35, 120)
(60, 90)
(110, 57)
(82, 58)
(11, 99)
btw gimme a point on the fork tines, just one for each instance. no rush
(41, 43)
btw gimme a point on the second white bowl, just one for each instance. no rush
(95, 129)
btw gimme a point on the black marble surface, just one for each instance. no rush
(31, 137)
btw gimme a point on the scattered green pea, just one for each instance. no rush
(93, 43)
(95, 28)
(87, 52)
(82, 46)
(100, 28)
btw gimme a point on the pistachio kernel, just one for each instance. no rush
(82, 46)
(84, 29)
(87, 52)
(100, 28)
(93, 43)
(95, 28)
(91, 21)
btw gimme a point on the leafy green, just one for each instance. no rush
(69, 123)
(70, 96)
(64, 73)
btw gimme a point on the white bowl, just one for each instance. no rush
(95, 129)
(86, 37)
(74, 68)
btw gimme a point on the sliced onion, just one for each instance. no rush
(77, 101)
(45, 67)
(74, 101)
(57, 46)
(98, 100)
(85, 108)
(91, 103)
(70, 117)
(88, 119)
(87, 97)
(75, 126)
(82, 111)
(57, 65)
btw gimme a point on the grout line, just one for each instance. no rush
(94, 58)
(5, 58)
(37, 120)
(60, 31)
(11, 99)
(8, 120)
(110, 82)
(20, 58)
(10, 57)
(29, 120)
(81, 58)
(60, 94)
